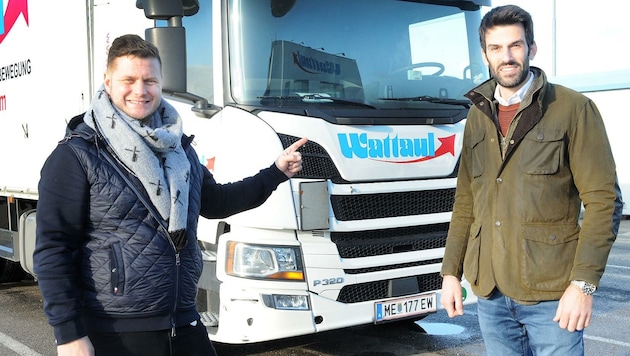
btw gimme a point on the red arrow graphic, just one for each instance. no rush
(296, 61)
(14, 9)
(447, 146)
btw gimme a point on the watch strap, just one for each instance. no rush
(586, 287)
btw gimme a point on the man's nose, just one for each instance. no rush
(507, 55)
(139, 87)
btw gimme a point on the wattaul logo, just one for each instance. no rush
(11, 15)
(395, 149)
(314, 66)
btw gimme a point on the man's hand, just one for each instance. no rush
(78, 347)
(451, 298)
(574, 309)
(290, 161)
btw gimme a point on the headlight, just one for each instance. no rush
(286, 302)
(264, 261)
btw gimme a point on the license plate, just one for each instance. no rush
(405, 307)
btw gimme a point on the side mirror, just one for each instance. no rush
(171, 42)
(165, 9)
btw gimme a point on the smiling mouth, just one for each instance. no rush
(509, 67)
(138, 102)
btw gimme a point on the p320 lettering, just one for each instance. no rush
(327, 281)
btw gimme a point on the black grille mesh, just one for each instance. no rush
(396, 266)
(316, 163)
(356, 244)
(377, 290)
(385, 205)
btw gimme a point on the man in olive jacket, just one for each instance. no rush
(533, 152)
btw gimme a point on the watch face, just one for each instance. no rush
(588, 288)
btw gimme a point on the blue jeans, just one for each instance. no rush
(509, 328)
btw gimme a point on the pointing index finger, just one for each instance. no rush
(296, 145)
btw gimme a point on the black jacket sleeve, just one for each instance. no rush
(61, 211)
(223, 200)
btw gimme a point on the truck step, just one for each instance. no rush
(209, 319)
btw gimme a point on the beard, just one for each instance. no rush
(512, 81)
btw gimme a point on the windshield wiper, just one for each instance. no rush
(313, 98)
(433, 99)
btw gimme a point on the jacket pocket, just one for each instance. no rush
(190, 272)
(116, 270)
(547, 255)
(477, 155)
(473, 253)
(541, 152)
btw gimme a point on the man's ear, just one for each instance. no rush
(483, 56)
(532, 51)
(107, 82)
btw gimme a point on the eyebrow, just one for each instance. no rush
(521, 41)
(135, 77)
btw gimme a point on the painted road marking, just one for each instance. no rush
(17, 346)
(617, 266)
(608, 341)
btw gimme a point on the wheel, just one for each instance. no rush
(439, 66)
(10, 271)
(473, 69)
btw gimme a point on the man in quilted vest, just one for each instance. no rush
(116, 257)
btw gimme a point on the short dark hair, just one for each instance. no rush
(507, 15)
(132, 45)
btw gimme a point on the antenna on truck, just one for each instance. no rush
(171, 42)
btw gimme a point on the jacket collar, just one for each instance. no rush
(485, 91)
(531, 109)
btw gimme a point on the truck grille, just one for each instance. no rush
(384, 242)
(357, 244)
(396, 266)
(378, 290)
(385, 205)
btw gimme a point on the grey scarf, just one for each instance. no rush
(153, 153)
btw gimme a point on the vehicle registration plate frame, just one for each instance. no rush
(406, 307)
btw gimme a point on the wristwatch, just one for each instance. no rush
(585, 287)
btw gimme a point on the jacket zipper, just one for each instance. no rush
(177, 263)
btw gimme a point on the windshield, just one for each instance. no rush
(361, 53)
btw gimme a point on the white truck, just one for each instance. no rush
(375, 85)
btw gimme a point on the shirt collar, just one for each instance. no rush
(516, 97)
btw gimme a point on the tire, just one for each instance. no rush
(10, 271)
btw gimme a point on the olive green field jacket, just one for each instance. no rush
(516, 218)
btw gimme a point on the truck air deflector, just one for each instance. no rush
(356, 116)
